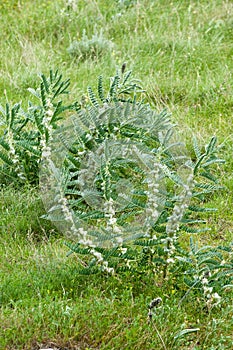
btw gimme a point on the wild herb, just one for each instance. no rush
(116, 180)
(121, 185)
(24, 135)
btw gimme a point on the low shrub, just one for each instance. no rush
(116, 179)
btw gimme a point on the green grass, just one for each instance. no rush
(182, 53)
(45, 301)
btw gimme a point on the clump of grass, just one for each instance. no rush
(93, 47)
(20, 214)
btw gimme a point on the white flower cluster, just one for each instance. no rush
(111, 226)
(152, 213)
(67, 214)
(74, 231)
(14, 156)
(46, 122)
(45, 149)
(12, 152)
(174, 220)
(179, 208)
(169, 247)
(100, 259)
(213, 299)
(73, 4)
(82, 234)
(48, 116)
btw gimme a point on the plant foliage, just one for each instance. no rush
(117, 180)
(25, 134)
(125, 189)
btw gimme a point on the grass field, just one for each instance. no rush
(182, 51)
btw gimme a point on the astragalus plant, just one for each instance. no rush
(118, 181)
(122, 186)
(24, 134)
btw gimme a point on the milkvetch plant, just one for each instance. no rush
(120, 184)
(208, 270)
(24, 135)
